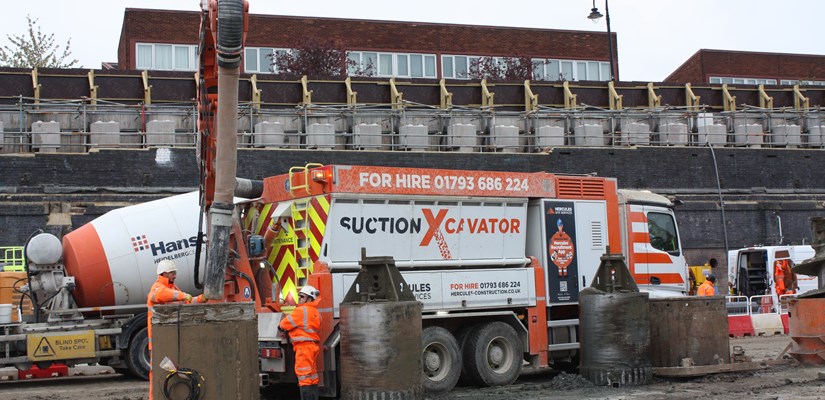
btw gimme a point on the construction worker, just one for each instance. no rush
(784, 278)
(706, 288)
(303, 326)
(164, 291)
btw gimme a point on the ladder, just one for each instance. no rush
(301, 224)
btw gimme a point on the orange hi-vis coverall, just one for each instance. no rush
(163, 292)
(784, 278)
(705, 289)
(304, 326)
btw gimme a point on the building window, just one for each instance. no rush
(791, 82)
(743, 81)
(429, 66)
(144, 56)
(260, 59)
(456, 66)
(354, 64)
(570, 70)
(385, 67)
(402, 62)
(370, 63)
(166, 57)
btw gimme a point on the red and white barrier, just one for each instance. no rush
(739, 319)
(755, 316)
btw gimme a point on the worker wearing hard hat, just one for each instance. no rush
(303, 325)
(164, 291)
(706, 288)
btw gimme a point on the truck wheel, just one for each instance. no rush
(461, 337)
(137, 355)
(440, 359)
(493, 355)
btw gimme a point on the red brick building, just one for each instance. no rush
(743, 67)
(167, 40)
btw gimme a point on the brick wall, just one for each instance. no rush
(167, 26)
(721, 63)
(758, 184)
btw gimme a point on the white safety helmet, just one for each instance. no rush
(166, 266)
(310, 291)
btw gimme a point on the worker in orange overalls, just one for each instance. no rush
(303, 325)
(784, 278)
(164, 291)
(706, 288)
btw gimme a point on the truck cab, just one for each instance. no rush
(651, 243)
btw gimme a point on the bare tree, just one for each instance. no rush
(314, 58)
(514, 68)
(35, 49)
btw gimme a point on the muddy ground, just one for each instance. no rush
(773, 382)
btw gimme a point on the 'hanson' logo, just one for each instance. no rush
(139, 242)
(159, 248)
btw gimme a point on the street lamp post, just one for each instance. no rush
(594, 16)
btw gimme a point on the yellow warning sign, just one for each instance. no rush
(57, 346)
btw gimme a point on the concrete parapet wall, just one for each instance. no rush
(46, 136)
(816, 136)
(785, 135)
(673, 133)
(369, 136)
(321, 136)
(463, 137)
(338, 124)
(160, 133)
(416, 137)
(589, 135)
(621, 128)
(549, 136)
(749, 135)
(104, 134)
(636, 133)
(269, 134)
(505, 138)
(714, 134)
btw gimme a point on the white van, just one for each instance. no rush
(751, 271)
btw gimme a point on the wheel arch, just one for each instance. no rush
(132, 326)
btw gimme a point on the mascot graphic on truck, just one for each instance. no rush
(560, 223)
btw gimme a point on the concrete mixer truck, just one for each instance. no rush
(89, 292)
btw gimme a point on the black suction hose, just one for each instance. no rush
(230, 33)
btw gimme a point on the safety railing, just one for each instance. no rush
(78, 127)
(765, 303)
(737, 305)
(756, 315)
(12, 258)
(753, 305)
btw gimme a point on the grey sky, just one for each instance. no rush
(655, 36)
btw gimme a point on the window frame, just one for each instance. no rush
(738, 80)
(559, 69)
(273, 68)
(191, 59)
(670, 228)
(395, 60)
